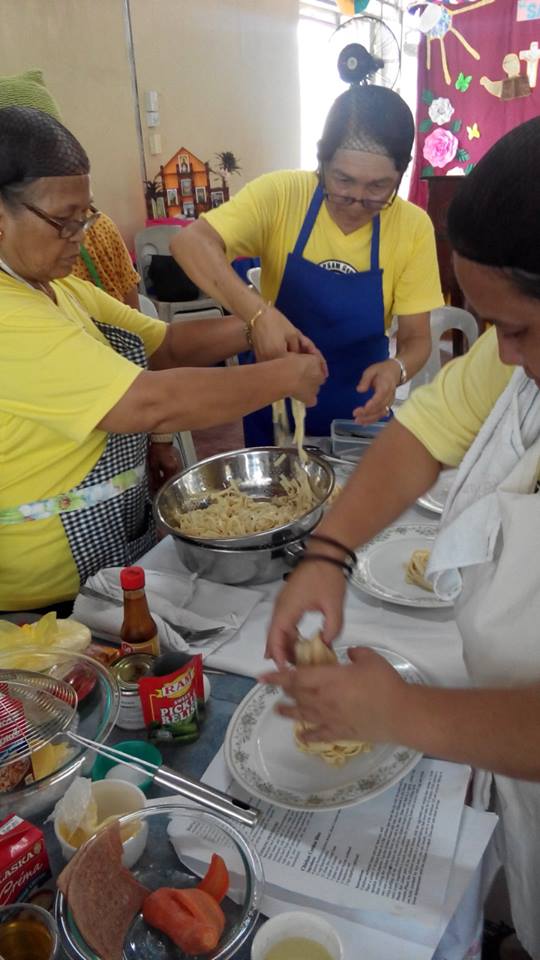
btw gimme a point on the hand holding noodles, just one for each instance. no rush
(315, 652)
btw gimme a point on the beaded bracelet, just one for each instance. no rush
(334, 543)
(346, 567)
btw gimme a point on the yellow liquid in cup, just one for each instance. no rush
(25, 938)
(298, 948)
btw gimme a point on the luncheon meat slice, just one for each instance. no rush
(102, 895)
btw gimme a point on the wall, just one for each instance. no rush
(226, 72)
(80, 46)
(227, 75)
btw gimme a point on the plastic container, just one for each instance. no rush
(140, 749)
(309, 926)
(114, 798)
(350, 440)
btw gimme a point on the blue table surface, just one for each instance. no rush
(227, 692)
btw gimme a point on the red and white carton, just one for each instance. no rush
(24, 863)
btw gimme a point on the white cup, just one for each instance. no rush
(114, 798)
(296, 924)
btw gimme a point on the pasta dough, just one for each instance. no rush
(315, 652)
(232, 513)
(416, 569)
(280, 422)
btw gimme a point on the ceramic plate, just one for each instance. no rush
(262, 756)
(381, 564)
(435, 499)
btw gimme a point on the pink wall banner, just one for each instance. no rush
(478, 77)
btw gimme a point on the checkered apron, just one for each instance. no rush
(118, 531)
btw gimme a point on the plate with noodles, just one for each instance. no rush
(262, 755)
(391, 567)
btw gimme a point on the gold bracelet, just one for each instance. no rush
(249, 324)
(161, 437)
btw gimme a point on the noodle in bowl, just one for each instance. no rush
(260, 496)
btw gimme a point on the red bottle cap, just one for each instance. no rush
(132, 578)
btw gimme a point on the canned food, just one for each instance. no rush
(128, 671)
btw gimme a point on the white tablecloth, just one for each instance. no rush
(428, 638)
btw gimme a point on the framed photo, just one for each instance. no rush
(217, 198)
(160, 207)
(200, 194)
(183, 163)
(172, 197)
(186, 188)
(189, 208)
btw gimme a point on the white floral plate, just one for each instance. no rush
(381, 564)
(435, 499)
(263, 758)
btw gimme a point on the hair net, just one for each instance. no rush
(34, 144)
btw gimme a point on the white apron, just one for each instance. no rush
(491, 532)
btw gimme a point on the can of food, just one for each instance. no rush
(128, 671)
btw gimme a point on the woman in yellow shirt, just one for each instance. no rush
(85, 379)
(341, 255)
(486, 418)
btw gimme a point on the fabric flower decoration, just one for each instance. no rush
(455, 172)
(440, 111)
(440, 147)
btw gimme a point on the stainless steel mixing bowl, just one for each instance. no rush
(258, 472)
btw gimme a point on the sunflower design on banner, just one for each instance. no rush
(477, 78)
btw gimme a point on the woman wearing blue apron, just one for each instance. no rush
(340, 253)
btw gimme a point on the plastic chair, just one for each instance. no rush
(147, 306)
(442, 320)
(254, 277)
(157, 240)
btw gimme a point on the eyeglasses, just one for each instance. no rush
(368, 204)
(66, 228)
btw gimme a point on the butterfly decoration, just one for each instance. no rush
(473, 132)
(463, 83)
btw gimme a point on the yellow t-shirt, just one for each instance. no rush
(111, 258)
(265, 217)
(446, 414)
(59, 376)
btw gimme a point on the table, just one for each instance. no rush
(429, 638)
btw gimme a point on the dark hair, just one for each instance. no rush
(34, 145)
(367, 109)
(495, 217)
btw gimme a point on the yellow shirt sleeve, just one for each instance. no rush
(56, 369)
(447, 414)
(106, 309)
(418, 287)
(244, 223)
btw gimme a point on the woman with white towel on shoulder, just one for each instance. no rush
(482, 414)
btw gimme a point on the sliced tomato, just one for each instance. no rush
(216, 881)
(191, 918)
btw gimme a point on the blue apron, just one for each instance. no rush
(344, 316)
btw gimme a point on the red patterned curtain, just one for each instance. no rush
(478, 76)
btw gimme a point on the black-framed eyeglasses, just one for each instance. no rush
(66, 228)
(366, 202)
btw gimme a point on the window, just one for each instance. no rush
(319, 80)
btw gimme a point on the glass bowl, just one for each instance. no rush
(27, 930)
(63, 760)
(181, 841)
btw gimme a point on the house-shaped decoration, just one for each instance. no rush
(190, 187)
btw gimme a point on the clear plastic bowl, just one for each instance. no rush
(95, 717)
(181, 841)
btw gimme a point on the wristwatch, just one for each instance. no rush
(403, 377)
